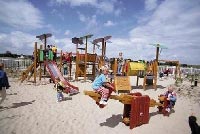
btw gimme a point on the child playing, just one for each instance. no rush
(171, 97)
(101, 86)
(59, 86)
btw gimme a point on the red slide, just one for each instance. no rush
(55, 72)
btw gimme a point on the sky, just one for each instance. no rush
(133, 24)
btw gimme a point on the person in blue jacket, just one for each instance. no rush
(4, 84)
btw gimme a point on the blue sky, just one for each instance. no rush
(133, 25)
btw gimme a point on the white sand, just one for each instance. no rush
(31, 109)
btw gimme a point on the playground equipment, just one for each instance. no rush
(135, 69)
(51, 66)
(136, 106)
(150, 77)
(55, 72)
(152, 69)
(66, 58)
(104, 41)
(83, 60)
(32, 69)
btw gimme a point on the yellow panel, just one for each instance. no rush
(137, 66)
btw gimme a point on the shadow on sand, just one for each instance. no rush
(156, 113)
(147, 87)
(112, 121)
(16, 105)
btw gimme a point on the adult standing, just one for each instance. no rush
(4, 84)
(120, 62)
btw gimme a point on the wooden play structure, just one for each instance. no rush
(136, 105)
(32, 69)
(39, 59)
(150, 77)
(85, 60)
(103, 42)
(152, 69)
(66, 58)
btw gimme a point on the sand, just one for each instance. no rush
(30, 109)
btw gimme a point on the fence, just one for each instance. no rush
(15, 63)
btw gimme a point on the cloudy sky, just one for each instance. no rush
(133, 24)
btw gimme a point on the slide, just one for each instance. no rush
(55, 72)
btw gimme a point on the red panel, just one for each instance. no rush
(139, 111)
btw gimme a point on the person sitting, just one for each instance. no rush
(171, 97)
(101, 86)
(161, 74)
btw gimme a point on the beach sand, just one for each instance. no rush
(33, 109)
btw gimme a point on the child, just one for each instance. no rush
(101, 86)
(65, 69)
(171, 97)
(59, 86)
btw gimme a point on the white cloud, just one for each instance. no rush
(82, 17)
(109, 23)
(75, 2)
(105, 6)
(101, 6)
(20, 14)
(17, 42)
(175, 24)
(150, 4)
(65, 44)
(90, 22)
(23, 43)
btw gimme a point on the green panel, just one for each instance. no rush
(41, 55)
(50, 55)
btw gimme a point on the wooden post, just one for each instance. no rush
(115, 67)
(45, 47)
(77, 65)
(70, 66)
(85, 69)
(137, 80)
(35, 62)
(40, 76)
(155, 64)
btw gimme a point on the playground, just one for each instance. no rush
(136, 107)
